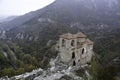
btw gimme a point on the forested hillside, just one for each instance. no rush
(29, 40)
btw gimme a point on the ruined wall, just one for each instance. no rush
(80, 56)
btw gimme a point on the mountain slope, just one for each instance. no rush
(92, 17)
(29, 34)
(7, 19)
(80, 14)
(75, 12)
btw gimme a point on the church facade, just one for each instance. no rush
(75, 49)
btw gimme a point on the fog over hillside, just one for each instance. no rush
(7, 19)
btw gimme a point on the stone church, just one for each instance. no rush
(75, 49)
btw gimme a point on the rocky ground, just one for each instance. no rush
(57, 71)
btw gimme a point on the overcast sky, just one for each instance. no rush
(20, 7)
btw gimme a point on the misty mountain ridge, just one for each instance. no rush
(7, 19)
(80, 12)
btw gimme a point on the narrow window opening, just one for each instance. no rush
(63, 43)
(72, 43)
(83, 51)
(74, 63)
(73, 55)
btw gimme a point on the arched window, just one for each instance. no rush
(83, 50)
(63, 43)
(72, 43)
(73, 55)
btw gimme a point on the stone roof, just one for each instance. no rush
(67, 36)
(80, 35)
(71, 36)
(89, 42)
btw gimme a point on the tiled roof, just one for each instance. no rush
(80, 35)
(67, 36)
(71, 36)
(89, 42)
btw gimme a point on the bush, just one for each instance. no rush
(8, 71)
(20, 71)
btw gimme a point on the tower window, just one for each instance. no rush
(72, 43)
(63, 43)
(73, 55)
(83, 50)
(74, 63)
